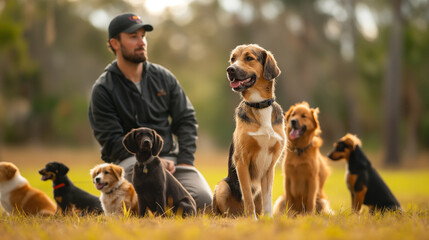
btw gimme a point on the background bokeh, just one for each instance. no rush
(364, 64)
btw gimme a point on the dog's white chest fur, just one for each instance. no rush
(266, 138)
(112, 203)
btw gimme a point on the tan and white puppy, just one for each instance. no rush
(17, 195)
(259, 136)
(115, 190)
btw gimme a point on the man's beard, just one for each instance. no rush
(132, 56)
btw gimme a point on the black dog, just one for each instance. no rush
(69, 197)
(157, 190)
(365, 184)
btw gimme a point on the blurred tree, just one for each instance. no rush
(415, 107)
(392, 90)
(19, 73)
(51, 51)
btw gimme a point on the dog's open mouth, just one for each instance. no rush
(46, 176)
(238, 84)
(100, 186)
(297, 132)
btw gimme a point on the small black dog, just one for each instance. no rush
(157, 190)
(69, 197)
(365, 184)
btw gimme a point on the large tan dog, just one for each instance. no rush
(17, 195)
(305, 169)
(259, 136)
(116, 191)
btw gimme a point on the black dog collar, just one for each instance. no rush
(260, 105)
(115, 188)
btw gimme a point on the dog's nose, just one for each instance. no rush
(146, 143)
(97, 180)
(293, 123)
(231, 70)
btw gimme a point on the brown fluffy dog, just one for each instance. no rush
(305, 169)
(116, 191)
(259, 136)
(17, 195)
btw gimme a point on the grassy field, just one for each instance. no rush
(409, 185)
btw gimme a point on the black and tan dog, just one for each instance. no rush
(259, 136)
(365, 184)
(69, 197)
(157, 190)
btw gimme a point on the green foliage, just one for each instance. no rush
(68, 124)
(9, 32)
(55, 78)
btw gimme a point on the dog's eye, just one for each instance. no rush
(232, 59)
(106, 172)
(248, 58)
(303, 116)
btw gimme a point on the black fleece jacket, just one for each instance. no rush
(116, 107)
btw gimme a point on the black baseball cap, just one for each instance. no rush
(127, 22)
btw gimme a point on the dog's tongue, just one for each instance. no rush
(294, 134)
(99, 186)
(44, 178)
(235, 84)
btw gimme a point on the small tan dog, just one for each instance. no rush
(116, 191)
(17, 195)
(305, 168)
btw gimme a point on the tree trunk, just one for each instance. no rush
(349, 71)
(393, 90)
(412, 113)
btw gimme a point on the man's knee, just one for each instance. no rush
(203, 199)
(128, 166)
(128, 174)
(196, 185)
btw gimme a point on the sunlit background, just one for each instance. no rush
(365, 64)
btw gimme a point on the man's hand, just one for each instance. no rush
(169, 165)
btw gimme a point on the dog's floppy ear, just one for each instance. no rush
(315, 112)
(118, 171)
(62, 169)
(93, 172)
(358, 158)
(130, 142)
(271, 70)
(288, 113)
(352, 140)
(9, 170)
(157, 143)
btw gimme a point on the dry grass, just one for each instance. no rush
(410, 186)
(412, 225)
